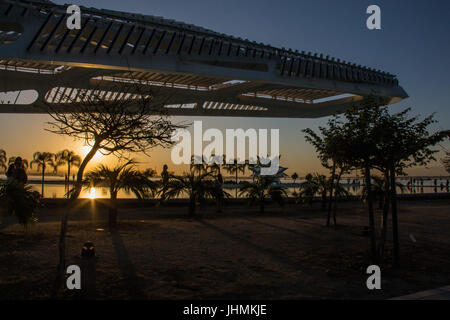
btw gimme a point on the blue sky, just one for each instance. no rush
(413, 44)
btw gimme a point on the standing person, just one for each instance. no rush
(10, 172)
(16, 172)
(20, 173)
(165, 181)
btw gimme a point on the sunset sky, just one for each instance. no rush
(413, 44)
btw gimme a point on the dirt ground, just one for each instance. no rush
(159, 253)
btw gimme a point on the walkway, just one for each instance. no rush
(442, 293)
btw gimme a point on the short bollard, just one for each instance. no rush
(88, 273)
(88, 250)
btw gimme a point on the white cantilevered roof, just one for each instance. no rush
(212, 73)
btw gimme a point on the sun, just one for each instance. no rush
(86, 149)
(92, 193)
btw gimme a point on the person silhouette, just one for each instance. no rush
(165, 181)
(10, 172)
(16, 171)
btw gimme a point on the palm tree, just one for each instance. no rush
(214, 165)
(318, 184)
(198, 187)
(71, 159)
(3, 159)
(252, 165)
(57, 162)
(198, 168)
(262, 188)
(308, 189)
(235, 168)
(42, 160)
(378, 190)
(124, 177)
(446, 162)
(322, 186)
(294, 177)
(149, 172)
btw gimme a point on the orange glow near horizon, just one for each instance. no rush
(24, 134)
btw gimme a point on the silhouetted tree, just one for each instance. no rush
(19, 200)
(113, 118)
(446, 162)
(371, 138)
(57, 162)
(197, 165)
(307, 190)
(3, 159)
(42, 160)
(403, 142)
(124, 177)
(322, 185)
(262, 188)
(235, 168)
(71, 159)
(294, 177)
(328, 147)
(198, 187)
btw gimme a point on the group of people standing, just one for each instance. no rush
(17, 172)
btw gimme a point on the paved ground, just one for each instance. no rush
(158, 253)
(435, 294)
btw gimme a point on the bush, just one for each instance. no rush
(20, 201)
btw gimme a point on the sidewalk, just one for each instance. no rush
(442, 293)
(6, 221)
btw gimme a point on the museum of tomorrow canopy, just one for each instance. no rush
(195, 71)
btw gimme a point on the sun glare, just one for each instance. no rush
(92, 193)
(86, 150)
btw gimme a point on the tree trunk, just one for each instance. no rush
(79, 182)
(192, 206)
(384, 219)
(394, 217)
(324, 200)
(261, 206)
(236, 181)
(334, 211)
(373, 240)
(335, 198)
(68, 178)
(42, 186)
(333, 172)
(64, 218)
(113, 211)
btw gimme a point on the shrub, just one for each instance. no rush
(21, 201)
